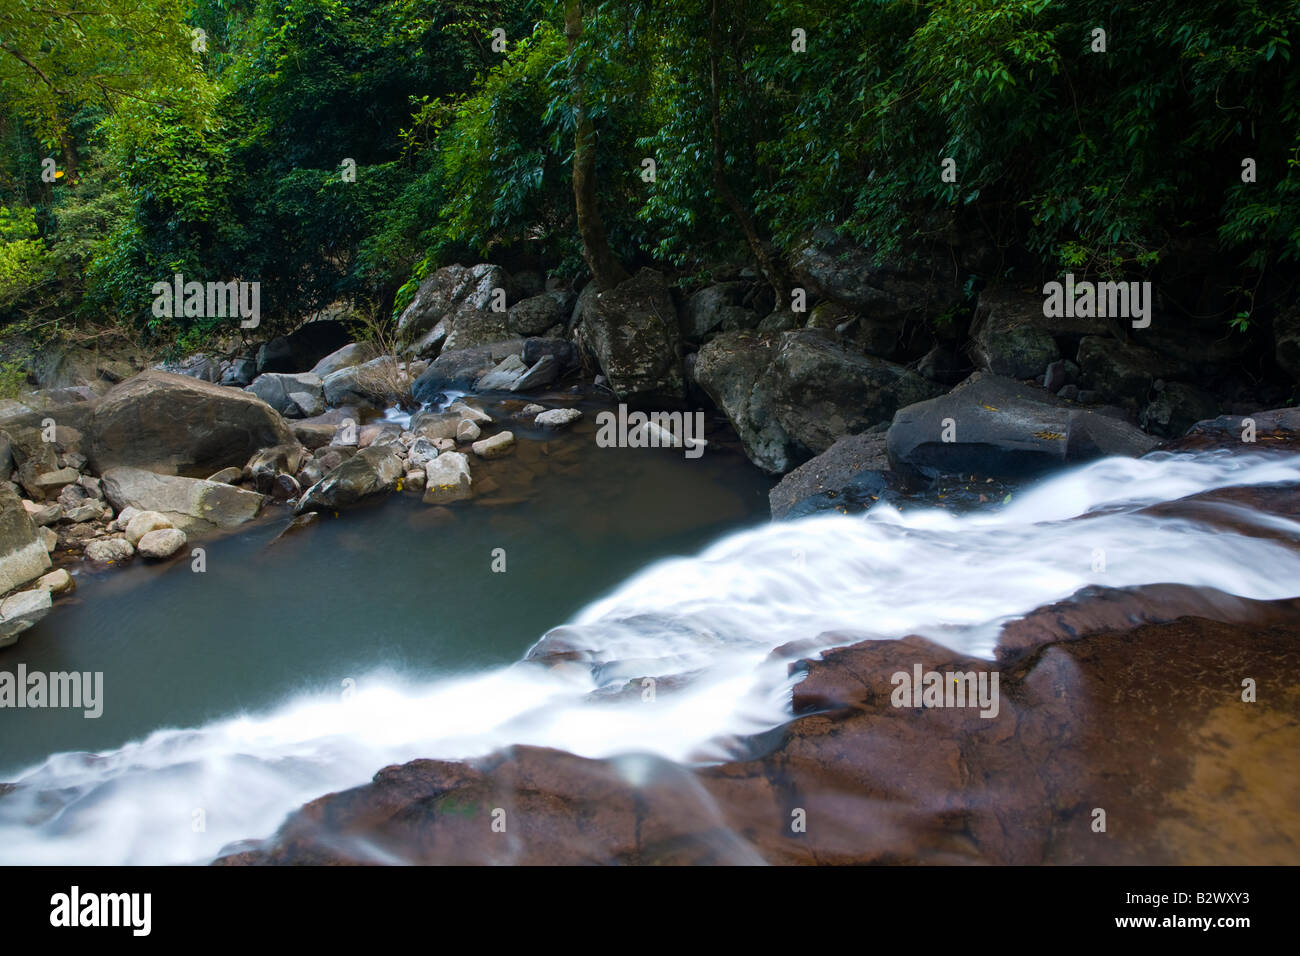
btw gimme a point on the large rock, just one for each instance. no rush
(278, 389)
(849, 476)
(371, 471)
(449, 290)
(173, 424)
(474, 328)
(833, 268)
(459, 369)
(705, 310)
(354, 353)
(161, 544)
(1012, 338)
(381, 382)
(195, 506)
(20, 611)
(790, 397)
(1122, 372)
(632, 331)
(1004, 429)
(503, 377)
(536, 314)
(23, 556)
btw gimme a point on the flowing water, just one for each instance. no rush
(251, 656)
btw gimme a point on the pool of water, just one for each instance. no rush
(391, 590)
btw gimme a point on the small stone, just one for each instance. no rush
(497, 446)
(87, 512)
(54, 480)
(533, 409)
(162, 543)
(44, 515)
(415, 479)
(421, 452)
(1069, 392)
(123, 518)
(558, 418)
(48, 538)
(444, 444)
(467, 432)
(464, 411)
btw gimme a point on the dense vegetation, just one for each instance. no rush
(216, 138)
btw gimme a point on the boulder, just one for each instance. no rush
(143, 522)
(849, 476)
(58, 581)
(474, 328)
(540, 376)
(269, 463)
(467, 431)
(536, 314)
(1121, 372)
(160, 544)
(460, 369)
(280, 390)
(449, 290)
(447, 478)
(195, 506)
(503, 377)
(20, 611)
(203, 367)
(704, 311)
(381, 382)
(239, 371)
(373, 470)
(1011, 337)
(1002, 428)
(1176, 408)
(562, 350)
(791, 397)
(354, 353)
(23, 555)
(172, 424)
(833, 268)
(632, 331)
(435, 425)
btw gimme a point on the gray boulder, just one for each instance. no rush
(536, 314)
(849, 476)
(279, 390)
(380, 382)
(170, 423)
(1002, 428)
(460, 369)
(373, 470)
(354, 353)
(449, 290)
(632, 331)
(195, 506)
(23, 556)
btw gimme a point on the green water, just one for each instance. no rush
(393, 586)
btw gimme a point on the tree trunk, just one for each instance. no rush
(720, 182)
(605, 267)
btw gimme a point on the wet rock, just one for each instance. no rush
(995, 427)
(498, 446)
(109, 550)
(467, 432)
(421, 451)
(371, 471)
(20, 611)
(849, 476)
(169, 423)
(556, 417)
(57, 581)
(503, 377)
(447, 479)
(160, 544)
(1120, 372)
(460, 369)
(540, 376)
